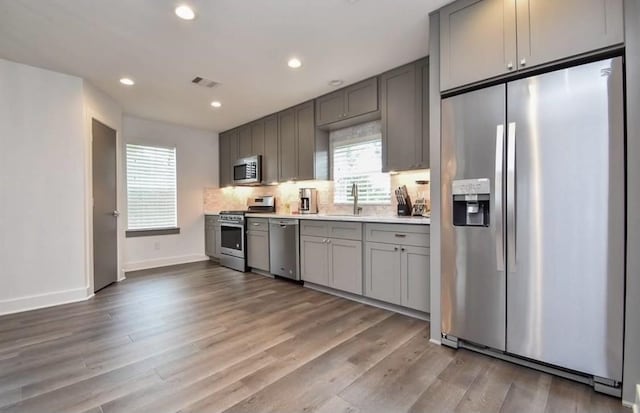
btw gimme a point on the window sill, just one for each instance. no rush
(131, 233)
(362, 204)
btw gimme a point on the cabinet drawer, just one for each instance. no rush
(345, 230)
(399, 234)
(258, 224)
(314, 228)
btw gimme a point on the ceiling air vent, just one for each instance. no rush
(201, 81)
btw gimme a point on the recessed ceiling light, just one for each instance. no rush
(336, 82)
(127, 82)
(185, 12)
(216, 104)
(294, 63)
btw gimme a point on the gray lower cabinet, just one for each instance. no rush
(382, 272)
(314, 260)
(258, 243)
(212, 236)
(414, 266)
(397, 265)
(345, 265)
(336, 261)
(404, 107)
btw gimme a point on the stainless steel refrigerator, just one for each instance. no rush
(533, 220)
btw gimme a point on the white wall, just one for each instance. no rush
(42, 188)
(197, 168)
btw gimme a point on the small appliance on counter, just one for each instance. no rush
(308, 203)
(420, 206)
(404, 202)
(233, 242)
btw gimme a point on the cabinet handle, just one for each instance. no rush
(255, 224)
(402, 249)
(401, 235)
(523, 62)
(395, 248)
(510, 66)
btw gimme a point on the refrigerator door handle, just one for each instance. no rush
(498, 211)
(511, 197)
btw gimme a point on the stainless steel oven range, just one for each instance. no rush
(233, 242)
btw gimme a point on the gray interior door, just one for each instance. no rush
(473, 279)
(566, 218)
(105, 220)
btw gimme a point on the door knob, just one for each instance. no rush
(116, 213)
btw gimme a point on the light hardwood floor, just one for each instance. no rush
(201, 338)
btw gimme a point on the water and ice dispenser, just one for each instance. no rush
(471, 202)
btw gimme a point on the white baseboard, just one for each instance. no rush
(163, 262)
(33, 302)
(434, 341)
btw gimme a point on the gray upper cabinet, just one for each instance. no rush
(224, 164)
(270, 154)
(303, 149)
(330, 108)
(550, 30)
(361, 98)
(405, 117)
(287, 145)
(228, 152)
(354, 100)
(483, 39)
(257, 137)
(244, 143)
(477, 41)
(306, 136)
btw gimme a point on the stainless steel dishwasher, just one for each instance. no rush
(284, 251)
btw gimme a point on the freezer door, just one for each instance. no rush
(473, 292)
(565, 218)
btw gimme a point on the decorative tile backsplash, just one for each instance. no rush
(237, 198)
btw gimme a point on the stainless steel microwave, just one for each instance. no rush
(248, 171)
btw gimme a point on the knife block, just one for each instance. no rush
(404, 210)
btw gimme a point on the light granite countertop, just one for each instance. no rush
(381, 219)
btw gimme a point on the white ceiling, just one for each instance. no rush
(243, 44)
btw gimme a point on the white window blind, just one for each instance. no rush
(151, 187)
(359, 160)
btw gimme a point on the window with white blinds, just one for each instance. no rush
(151, 187)
(359, 160)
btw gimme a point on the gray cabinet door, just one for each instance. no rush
(330, 108)
(401, 119)
(257, 137)
(218, 241)
(234, 152)
(314, 261)
(210, 235)
(287, 145)
(305, 133)
(270, 154)
(244, 143)
(550, 30)
(415, 278)
(224, 162)
(361, 98)
(258, 250)
(382, 272)
(345, 265)
(477, 40)
(422, 68)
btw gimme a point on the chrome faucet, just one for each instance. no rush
(354, 193)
